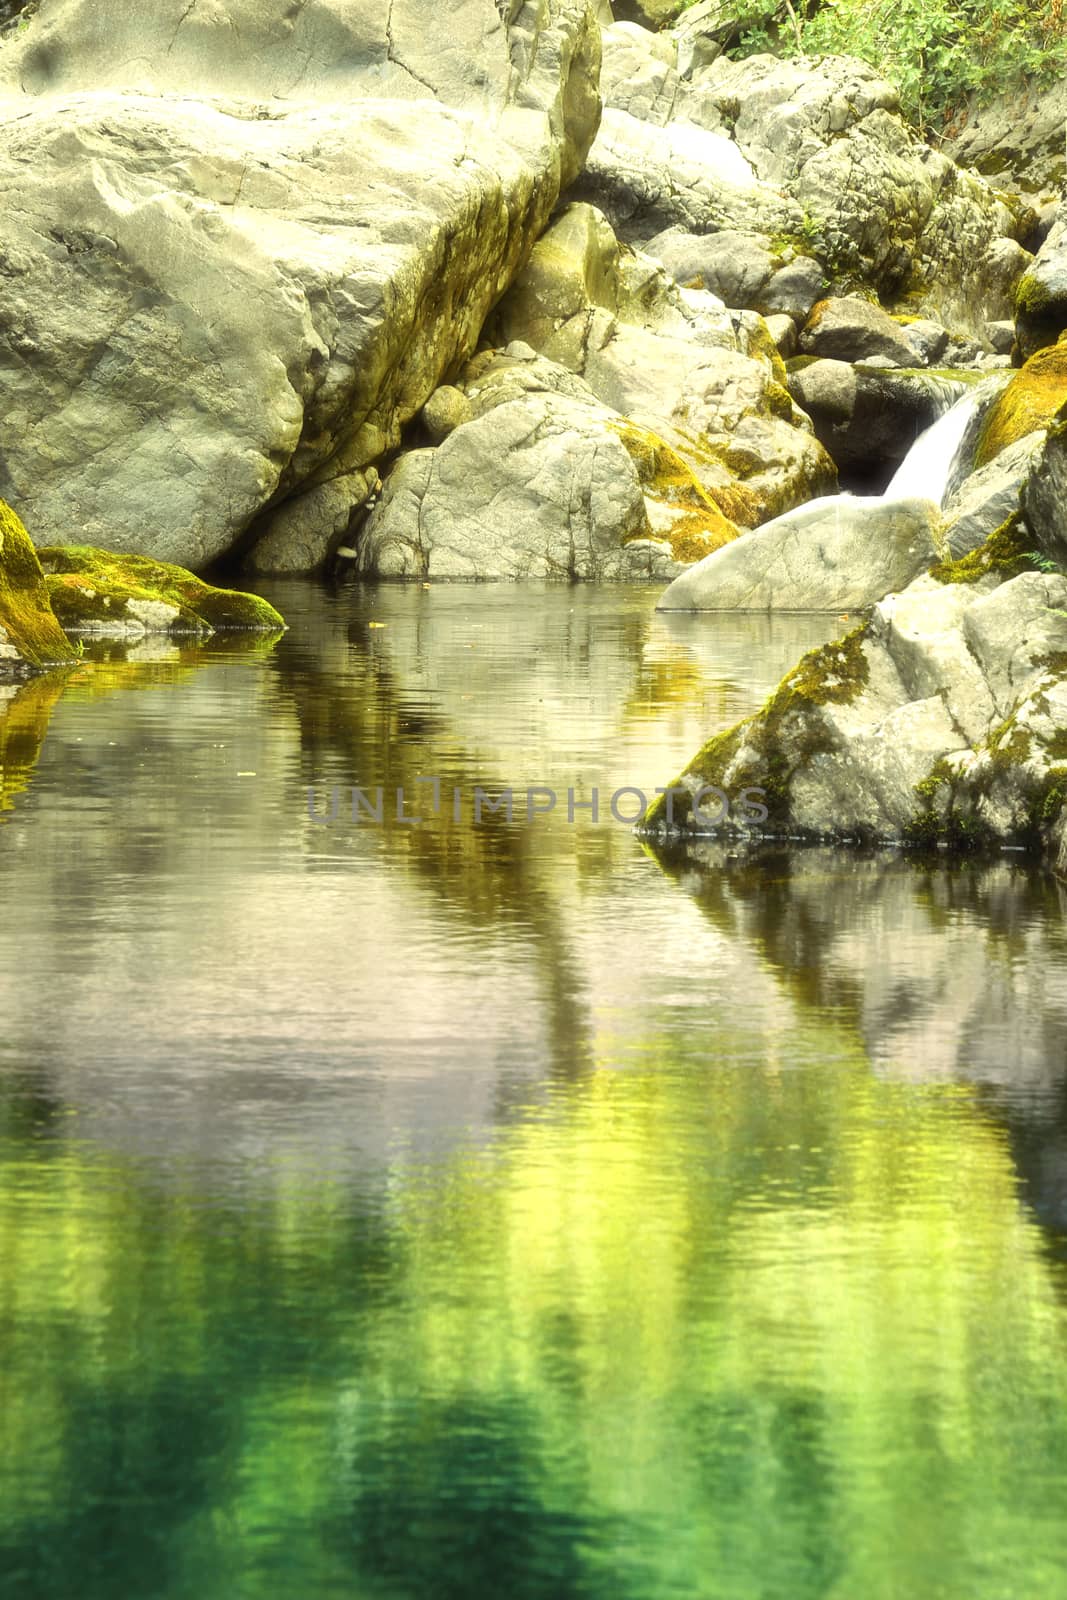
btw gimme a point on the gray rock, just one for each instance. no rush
(940, 718)
(927, 340)
(987, 498)
(673, 359)
(1045, 495)
(735, 266)
(1016, 139)
(832, 555)
(1001, 335)
(849, 328)
(445, 411)
(301, 534)
(794, 289)
(245, 243)
(870, 417)
(536, 487)
(1041, 300)
(783, 330)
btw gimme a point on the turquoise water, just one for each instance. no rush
(475, 1210)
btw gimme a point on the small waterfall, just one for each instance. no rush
(926, 470)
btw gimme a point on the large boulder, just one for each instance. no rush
(836, 554)
(1016, 138)
(851, 328)
(814, 157)
(30, 636)
(942, 718)
(244, 244)
(544, 481)
(1029, 401)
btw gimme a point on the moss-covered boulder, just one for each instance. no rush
(943, 719)
(1041, 297)
(104, 594)
(30, 636)
(1030, 401)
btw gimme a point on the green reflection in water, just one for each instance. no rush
(684, 1330)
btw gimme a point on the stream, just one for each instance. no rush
(477, 1206)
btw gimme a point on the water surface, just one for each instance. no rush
(465, 1210)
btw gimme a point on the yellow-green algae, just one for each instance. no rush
(835, 673)
(1007, 552)
(1030, 401)
(89, 587)
(665, 476)
(26, 616)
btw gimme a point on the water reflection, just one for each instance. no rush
(454, 1210)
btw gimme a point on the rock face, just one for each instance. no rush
(30, 636)
(943, 717)
(243, 246)
(1017, 139)
(832, 555)
(808, 160)
(671, 359)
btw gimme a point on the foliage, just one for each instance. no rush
(938, 52)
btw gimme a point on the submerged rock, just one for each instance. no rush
(245, 243)
(107, 594)
(832, 555)
(30, 636)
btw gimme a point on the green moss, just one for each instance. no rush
(1032, 298)
(1007, 551)
(1031, 400)
(26, 616)
(1057, 745)
(90, 587)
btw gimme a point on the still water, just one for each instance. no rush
(468, 1210)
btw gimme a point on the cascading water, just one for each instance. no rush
(926, 471)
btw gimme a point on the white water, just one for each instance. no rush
(925, 471)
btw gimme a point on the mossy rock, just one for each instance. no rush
(102, 591)
(1040, 313)
(1030, 401)
(701, 526)
(28, 624)
(781, 739)
(1007, 552)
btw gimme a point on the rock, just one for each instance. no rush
(869, 418)
(885, 208)
(1045, 493)
(647, 13)
(783, 330)
(244, 244)
(1031, 400)
(30, 636)
(849, 328)
(1001, 335)
(794, 289)
(832, 555)
(536, 487)
(927, 341)
(988, 498)
(445, 411)
(301, 534)
(708, 381)
(1041, 296)
(944, 717)
(1015, 139)
(106, 594)
(735, 266)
